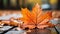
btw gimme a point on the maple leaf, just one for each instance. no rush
(36, 17)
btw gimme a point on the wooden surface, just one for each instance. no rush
(33, 31)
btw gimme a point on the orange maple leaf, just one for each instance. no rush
(36, 18)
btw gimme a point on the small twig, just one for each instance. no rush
(8, 30)
(56, 30)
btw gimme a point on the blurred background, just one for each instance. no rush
(14, 6)
(18, 4)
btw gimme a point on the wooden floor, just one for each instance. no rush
(11, 30)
